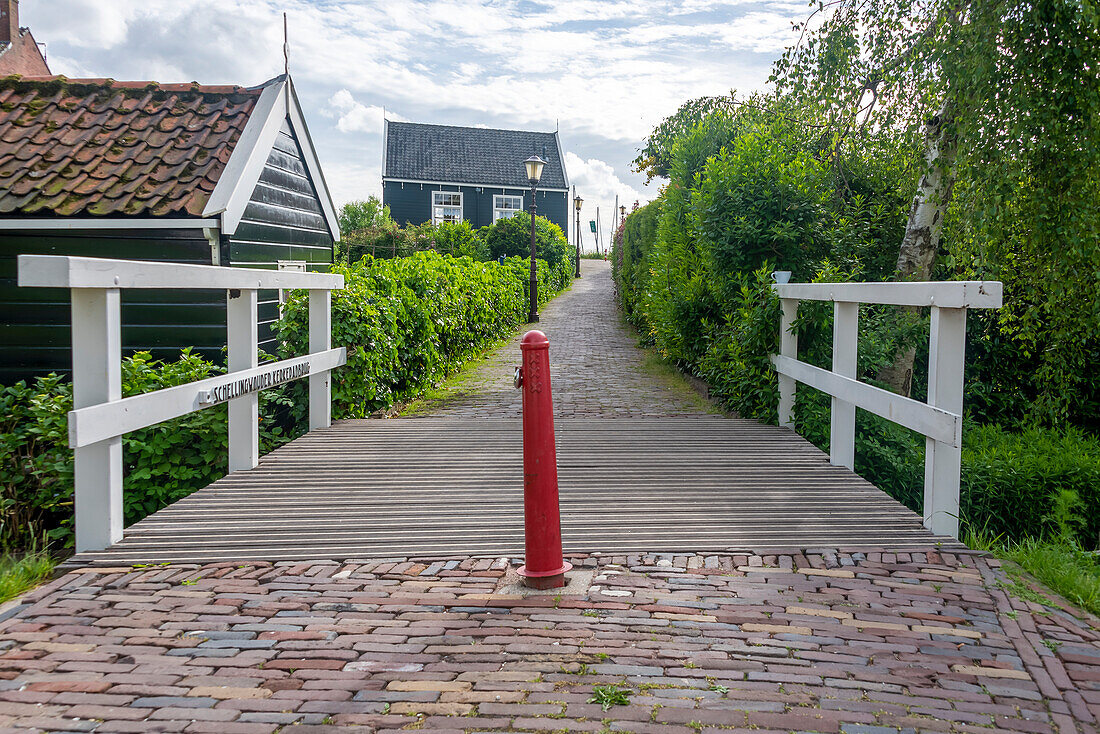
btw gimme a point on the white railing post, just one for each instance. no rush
(788, 347)
(244, 411)
(320, 340)
(842, 424)
(97, 378)
(942, 461)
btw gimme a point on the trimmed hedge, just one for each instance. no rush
(406, 323)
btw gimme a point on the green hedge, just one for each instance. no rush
(406, 323)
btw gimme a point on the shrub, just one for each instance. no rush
(511, 237)
(1012, 481)
(406, 323)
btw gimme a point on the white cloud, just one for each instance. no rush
(607, 70)
(352, 116)
(599, 185)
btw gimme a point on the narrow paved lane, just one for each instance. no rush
(596, 367)
(366, 583)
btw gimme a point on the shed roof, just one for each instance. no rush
(471, 155)
(99, 147)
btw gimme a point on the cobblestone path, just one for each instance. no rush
(596, 369)
(872, 643)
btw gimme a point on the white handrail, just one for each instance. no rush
(101, 416)
(940, 420)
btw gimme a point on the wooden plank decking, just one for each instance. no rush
(452, 486)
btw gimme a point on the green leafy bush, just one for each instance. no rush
(161, 463)
(1012, 481)
(406, 323)
(511, 237)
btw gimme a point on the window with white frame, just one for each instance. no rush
(506, 206)
(446, 206)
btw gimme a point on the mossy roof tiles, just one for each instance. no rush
(99, 147)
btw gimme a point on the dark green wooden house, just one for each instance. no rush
(184, 173)
(436, 173)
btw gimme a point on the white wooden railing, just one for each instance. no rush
(940, 420)
(100, 414)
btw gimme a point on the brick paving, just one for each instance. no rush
(838, 641)
(825, 641)
(596, 368)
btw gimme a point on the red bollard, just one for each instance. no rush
(544, 567)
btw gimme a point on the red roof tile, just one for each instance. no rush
(99, 147)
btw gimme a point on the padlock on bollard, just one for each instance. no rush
(544, 567)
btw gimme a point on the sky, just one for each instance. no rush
(602, 72)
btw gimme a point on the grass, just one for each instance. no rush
(20, 573)
(1059, 564)
(608, 696)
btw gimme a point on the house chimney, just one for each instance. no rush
(9, 21)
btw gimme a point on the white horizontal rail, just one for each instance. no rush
(101, 416)
(106, 420)
(62, 271)
(928, 420)
(945, 294)
(939, 420)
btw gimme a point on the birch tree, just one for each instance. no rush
(1007, 93)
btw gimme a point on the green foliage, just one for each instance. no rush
(511, 237)
(1015, 483)
(356, 215)
(630, 260)
(408, 322)
(608, 696)
(23, 572)
(759, 200)
(1017, 84)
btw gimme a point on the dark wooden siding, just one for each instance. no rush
(35, 322)
(412, 203)
(282, 222)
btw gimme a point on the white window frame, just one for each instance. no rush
(436, 217)
(499, 211)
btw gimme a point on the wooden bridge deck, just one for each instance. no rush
(453, 487)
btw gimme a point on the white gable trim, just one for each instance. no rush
(235, 186)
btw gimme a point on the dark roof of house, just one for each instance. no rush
(99, 147)
(470, 155)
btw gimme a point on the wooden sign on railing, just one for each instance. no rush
(101, 416)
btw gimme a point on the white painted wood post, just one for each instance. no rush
(244, 412)
(842, 430)
(97, 378)
(942, 461)
(788, 347)
(320, 339)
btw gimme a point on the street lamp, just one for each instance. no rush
(577, 201)
(534, 166)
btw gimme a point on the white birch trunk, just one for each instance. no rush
(922, 232)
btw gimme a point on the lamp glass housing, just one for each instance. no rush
(577, 203)
(534, 166)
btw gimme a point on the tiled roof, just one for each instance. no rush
(99, 147)
(470, 155)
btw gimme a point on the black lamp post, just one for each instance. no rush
(534, 166)
(577, 204)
